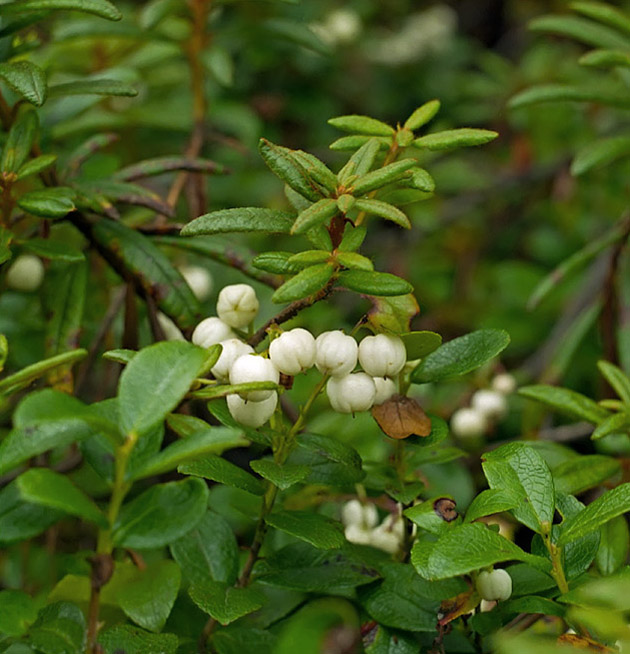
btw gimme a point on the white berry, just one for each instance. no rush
(254, 368)
(336, 353)
(26, 273)
(491, 404)
(354, 392)
(358, 534)
(355, 512)
(468, 423)
(199, 280)
(252, 414)
(494, 585)
(504, 383)
(389, 535)
(231, 350)
(237, 305)
(293, 352)
(385, 388)
(170, 329)
(382, 355)
(211, 331)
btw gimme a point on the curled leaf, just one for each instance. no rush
(401, 417)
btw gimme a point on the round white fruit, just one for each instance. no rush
(170, 329)
(26, 273)
(254, 368)
(237, 305)
(494, 585)
(468, 423)
(504, 383)
(354, 392)
(335, 353)
(491, 404)
(199, 280)
(382, 355)
(251, 414)
(293, 352)
(355, 512)
(231, 350)
(211, 331)
(385, 388)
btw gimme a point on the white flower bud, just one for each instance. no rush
(382, 355)
(494, 585)
(237, 305)
(211, 331)
(199, 280)
(357, 513)
(170, 329)
(385, 388)
(231, 350)
(336, 353)
(490, 403)
(468, 423)
(293, 352)
(254, 368)
(389, 535)
(354, 392)
(26, 273)
(504, 383)
(344, 25)
(358, 535)
(252, 414)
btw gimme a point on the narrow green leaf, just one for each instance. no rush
(26, 79)
(101, 8)
(306, 282)
(614, 545)
(161, 165)
(602, 94)
(54, 250)
(422, 115)
(316, 169)
(36, 165)
(48, 203)
(217, 469)
(615, 423)
(420, 344)
(361, 161)
(308, 258)
(455, 138)
(223, 390)
(581, 473)
(274, 262)
(244, 219)
(316, 214)
(354, 261)
(617, 379)
(374, 283)
(580, 29)
(461, 355)
(420, 179)
(383, 210)
(381, 176)
(566, 401)
(92, 87)
(600, 153)
(314, 528)
(120, 355)
(19, 142)
(356, 141)
(51, 489)
(604, 13)
(361, 125)
(282, 476)
(603, 58)
(490, 501)
(225, 603)
(606, 507)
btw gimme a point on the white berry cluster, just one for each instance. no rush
(486, 406)
(361, 527)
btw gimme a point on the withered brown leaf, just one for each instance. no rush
(401, 417)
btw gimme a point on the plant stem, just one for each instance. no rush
(555, 552)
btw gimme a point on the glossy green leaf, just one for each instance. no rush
(316, 214)
(579, 29)
(607, 95)
(357, 140)
(26, 79)
(223, 602)
(316, 169)
(374, 283)
(54, 250)
(282, 476)
(306, 282)
(17, 611)
(274, 262)
(149, 597)
(49, 203)
(208, 552)
(59, 629)
(581, 473)
(566, 401)
(354, 261)
(120, 356)
(381, 176)
(461, 355)
(155, 381)
(393, 314)
(19, 142)
(224, 472)
(422, 115)
(490, 501)
(387, 642)
(614, 545)
(245, 219)
(92, 87)
(101, 8)
(578, 555)
(420, 344)
(51, 489)
(133, 640)
(314, 528)
(162, 514)
(605, 58)
(383, 210)
(420, 179)
(617, 379)
(455, 138)
(223, 390)
(361, 125)
(600, 153)
(361, 161)
(161, 165)
(604, 13)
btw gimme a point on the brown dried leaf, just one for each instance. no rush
(457, 606)
(583, 642)
(401, 417)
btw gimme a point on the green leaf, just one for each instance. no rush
(223, 390)
(381, 176)
(213, 440)
(356, 141)
(614, 545)
(579, 29)
(17, 611)
(153, 269)
(316, 214)
(120, 356)
(461, 355)
(383, 210)
(92, 87)
(455, 138)
(314, 528)
(490, 501)
(5, 239)
(422, 115)
(26, 79)
(244, 219)
(288, 168)
(566, 401)
(617, 379)
(208, 552)
(224, 472)
(100, 8)
(317, 170)
(51, 489)
(429, 517)
(374, 283)
(155, 381)
(282, 476)
(274, 262)
(306, 282)
(161, 165)
(360, 162)
(354, 261)
(48, 203)
(581, 473)
(223, 602)
(607, 95)
(600, 153)
(419, 344)
(149, 598)
(393, 314)
(59, 628)
(386, 642)
(466, 548)
(162, 514)
(54, 250)
(19, 142)
(133, 640)
(580, 553)
(420, 179)
(361, 125)
(605, 58)
(606, 507)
